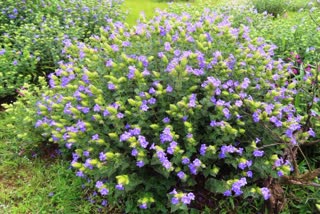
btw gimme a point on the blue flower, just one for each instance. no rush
(104, 191)
(258, 153)
(265, 193)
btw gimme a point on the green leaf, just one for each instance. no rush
(215, 186)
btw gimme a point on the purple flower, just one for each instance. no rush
(268, 108)
(102, 156)
(132, 69)
(119, 187)
(215, 82)
(135, 131)
(85, 79)
(140, 163)
(144, 106)
(152, 90)
(109, 63)
(226, 113)
(99, 184)
(166, 136)
(227, 149)
(96, 108)
(79, 174)
(106, 113)
(236, 186)
(258, 153)
(172, 147)
(69, 145)
(143, 206)
(192, 101)
(187, 198)
(152, 101)
(166, 120)
(311, 133)
(166, 164)
(203, 149)
(134, 152)
(120, 115)
(104, 191)
(87, 164)
(104, 203)
(115, 48)
(181, 175)
(125, 136)
(86, 153)
(111, 86)
(126, 44)
(276, 122)
(280, 173)
(174, 200)
(238, 103)
(256, 115)
(279, 162)
(160, 55)
(169, 88)
(167, 46)
(95, 137)
(249, 174)
(143, 142)
(3, 51)
(185, 161)
(194, 166)
(242, 165)
(265, 193)
(227, 193)
(245, 83)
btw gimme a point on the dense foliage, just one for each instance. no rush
(32, 35)
(194, 105)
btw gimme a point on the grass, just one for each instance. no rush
(135, 7)
(36, 185)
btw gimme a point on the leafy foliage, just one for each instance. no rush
(32, 35)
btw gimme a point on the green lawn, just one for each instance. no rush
(148, 7)
(135, 7)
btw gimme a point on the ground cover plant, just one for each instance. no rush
(197, 103)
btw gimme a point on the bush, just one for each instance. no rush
(176, 113)
(274, 7)
(296, 33)
(21, 116)
(194, 106)
(34, 35)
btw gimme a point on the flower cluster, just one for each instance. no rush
(179, 197)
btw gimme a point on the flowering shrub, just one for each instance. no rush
(298, 33)
(34, 35)
(158, 115)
